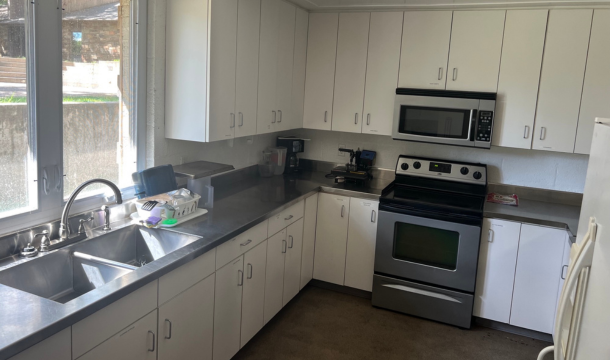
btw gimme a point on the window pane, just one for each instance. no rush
(17, 156)
(98, 134)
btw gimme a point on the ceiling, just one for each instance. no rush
(324, 5)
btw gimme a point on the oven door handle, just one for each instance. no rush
(471, 120)
(423, 292)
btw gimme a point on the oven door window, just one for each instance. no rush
(435, 122)
(426, 245)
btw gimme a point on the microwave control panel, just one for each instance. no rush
(484, 126)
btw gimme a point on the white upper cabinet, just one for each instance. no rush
(223, 55)
(268, 66)
(476, 47)
(248, 28)
(425, 49)
(382, 72)
(596, 90)
(352, 45)
(300, 63)
(561, 81)
(522, 51)
(320, 74)
(285, 64)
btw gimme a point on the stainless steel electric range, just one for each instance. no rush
(428, 239)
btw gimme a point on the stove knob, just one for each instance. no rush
(404, 166)
(477, 175)
(417, 164)
(464, 170)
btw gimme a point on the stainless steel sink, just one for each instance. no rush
(72, 271)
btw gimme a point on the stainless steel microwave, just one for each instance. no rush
(461, 118)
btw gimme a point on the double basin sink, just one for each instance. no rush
(67, 273)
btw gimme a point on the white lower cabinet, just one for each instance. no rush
(136, 342)
(253, 300)
(331, 238)
(56, 347)
(274, 282)
(186, 323)
(292, 263)
(227, 309)
(309, 239)
(361, 236)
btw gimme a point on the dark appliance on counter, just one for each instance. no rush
(428, 238)
(294, 146)
(359, 168)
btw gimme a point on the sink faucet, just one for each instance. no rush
(64, 228)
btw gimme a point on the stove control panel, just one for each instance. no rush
(439, 169)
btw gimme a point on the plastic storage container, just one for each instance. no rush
(278, 159)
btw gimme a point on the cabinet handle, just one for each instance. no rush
(373, 216)
(454, 74)
(342, 210)
(249, 271)
(440, 73)
(368, 119)
(325, 115)
(153, 341)
(542, 133)
(240, 278)
(526, 132)
(356, 119)
(169, 336)
(563, 277)
(288, 218)
(280, 113)
(274, 116)
(284, 245)
(246, 243)
(241, 119)
(232, 120)
(291, 241)
(490, 236)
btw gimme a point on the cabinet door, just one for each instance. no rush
(331, 238)
(186, 323)
(248, 32)
(274, 281)
(253, 301)
(361, 237)
(223, 56)
(136, 342)
(476, 46)
(595, 91)
(352, 45)
(309, 239)
(496, 271)
(298, 72)
(267, 66)
(561, 81)
(425, 49)
(522, 50)
(56, 347)
(565, 263)
(539, 265)
(292, 267)
(320, 74)
(227, 309)
(285, 62)
(382, 72)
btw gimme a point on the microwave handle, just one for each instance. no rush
(473, 113)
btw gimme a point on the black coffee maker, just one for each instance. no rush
(294, 146)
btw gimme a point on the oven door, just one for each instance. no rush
(428, 250)
(450, 121)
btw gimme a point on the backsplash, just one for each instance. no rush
(535, 169)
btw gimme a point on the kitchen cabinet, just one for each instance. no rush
(187, 275)
(537, 276)
(331, 238)
(476, 47)
(292, 262)
(135, 342)
(522, 50)
(352, 45)
(425, 49)
(286, 217)
(186, 323)
(285, 66)
(246, 68)
(382, 72)
(253, 300)
(56, 347)
(596, 87)
(227, 309)
(361, 236)
(300, 64)
(496, 269)
(309, 238)
(565, 263)
(274, 282)
(320, 73)
(561, 80)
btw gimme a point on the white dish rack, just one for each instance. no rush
(183, 202)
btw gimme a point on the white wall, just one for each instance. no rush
(537, 169)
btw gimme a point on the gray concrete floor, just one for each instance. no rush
(321, 324)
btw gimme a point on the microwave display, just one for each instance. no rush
(434, 122)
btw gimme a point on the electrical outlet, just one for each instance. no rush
(340, 153)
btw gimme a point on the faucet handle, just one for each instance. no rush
(45, 241)
(81, 224)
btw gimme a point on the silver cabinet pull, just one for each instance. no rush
(274, 116)
(241, 119)
(246, 243)
(440, 73)
(356, 119)
(373, 216)
(325, 116)
(454, 74)
(153, 341)
(284, 246)
(490, 235)
(342, 210)
(542, 133)
(240, 278)
(526, 132)
(169, 335)
(288, 218)
(249, 271)
(563, 277)
(291, 241)
(368, 119)
(280, 113)
(232, 120)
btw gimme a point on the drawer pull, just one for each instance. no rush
(153, 341)
(288, 218)
(291, 241)
(250, 268)
(246, 243)
(169, 335)
(240, 278)
(284, 246)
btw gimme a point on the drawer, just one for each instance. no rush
(286, 217)
(240, 244)
(100, 326)
(186, 276)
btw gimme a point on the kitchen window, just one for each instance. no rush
(59, 129)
